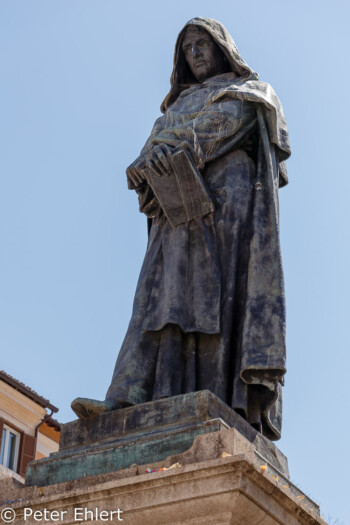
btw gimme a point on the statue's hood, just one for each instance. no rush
(181, 76)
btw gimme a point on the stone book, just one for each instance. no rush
(181, 194)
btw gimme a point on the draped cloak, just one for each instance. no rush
(209, 309)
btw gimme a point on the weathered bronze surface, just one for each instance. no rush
(209, 309)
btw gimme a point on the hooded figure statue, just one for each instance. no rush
(209, 309)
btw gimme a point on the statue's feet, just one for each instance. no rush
(85, 408)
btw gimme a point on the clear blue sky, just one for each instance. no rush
(81, 84)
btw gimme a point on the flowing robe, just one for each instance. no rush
(209, 305)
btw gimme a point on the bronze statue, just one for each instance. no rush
(209, 309)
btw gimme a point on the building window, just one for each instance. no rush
(9, 448)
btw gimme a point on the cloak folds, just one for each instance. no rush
(209, 308)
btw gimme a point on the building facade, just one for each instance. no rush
(27, 428)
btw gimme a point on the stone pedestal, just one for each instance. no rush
(188, 460)
(142, 434)
(233, 490)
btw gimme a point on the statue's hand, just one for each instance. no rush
(158, 160)
(135, 171)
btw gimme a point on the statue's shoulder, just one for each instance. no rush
(262, 91)
(259, 85)
(246, 84)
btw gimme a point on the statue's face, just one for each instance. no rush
(203, 55)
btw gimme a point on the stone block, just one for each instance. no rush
(147, 433)
(223, 491)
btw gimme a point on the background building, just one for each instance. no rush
(27, 429)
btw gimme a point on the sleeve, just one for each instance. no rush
(215, 130)
(148, 203)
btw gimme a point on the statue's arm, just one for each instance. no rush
(136, 178)
(218, 128)
(215, 130)
(134, 172)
